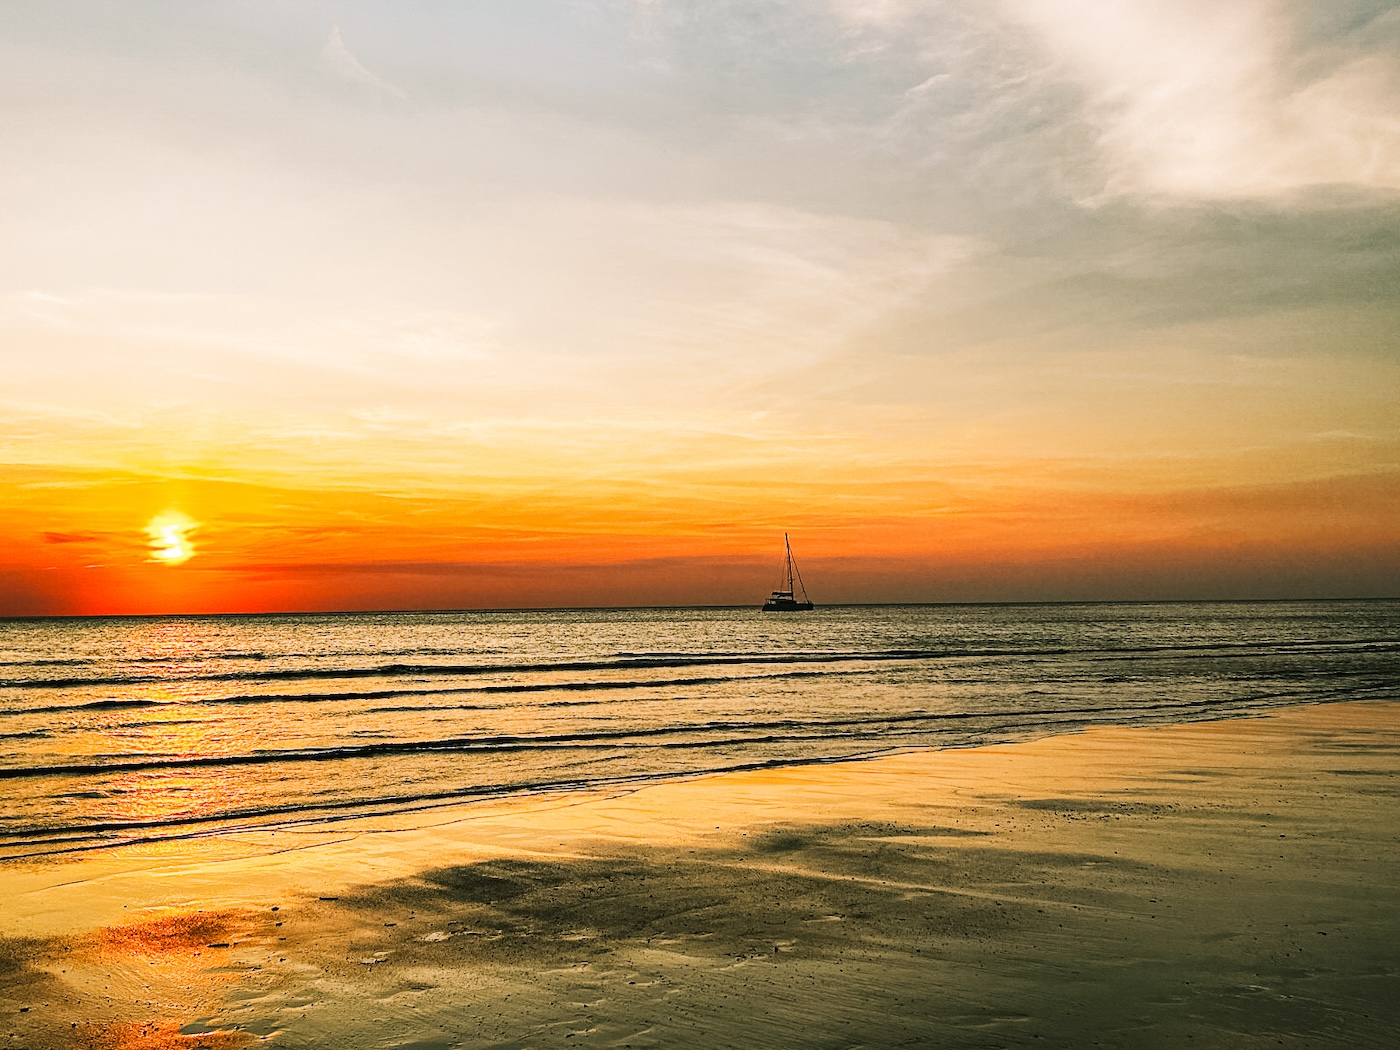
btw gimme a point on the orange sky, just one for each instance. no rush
(361, 308)
(259, 548)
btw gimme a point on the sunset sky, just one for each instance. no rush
(504, 303)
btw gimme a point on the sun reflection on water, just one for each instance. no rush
(168, 732)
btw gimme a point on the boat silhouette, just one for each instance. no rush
(786, 600)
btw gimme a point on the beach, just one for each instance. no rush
(1224, 883)
(651, 524)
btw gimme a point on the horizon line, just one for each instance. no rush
(501, 610)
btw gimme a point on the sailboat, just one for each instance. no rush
(786, 601)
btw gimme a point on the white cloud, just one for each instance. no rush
(1199, 99)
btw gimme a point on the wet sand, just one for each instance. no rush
(1224, 884)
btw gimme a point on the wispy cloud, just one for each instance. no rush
(340, 61)
(73, 537)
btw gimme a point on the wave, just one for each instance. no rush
(495, 743)
(52, 661)
(81, 836)
(395, 670)
(505, 688)
(676, 660)
(255, 654)
(691, 735)
(68, 838)
(383, 694)
(90, 705)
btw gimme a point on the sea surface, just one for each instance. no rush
(120, 730)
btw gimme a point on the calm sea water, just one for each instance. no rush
(120, 730)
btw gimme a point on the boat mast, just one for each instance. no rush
(788, 547)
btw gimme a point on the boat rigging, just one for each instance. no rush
(786, 600)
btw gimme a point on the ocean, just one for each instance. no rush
(125, 730)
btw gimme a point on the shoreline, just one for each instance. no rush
(430, 812)
(400, 839)
(1008, 872)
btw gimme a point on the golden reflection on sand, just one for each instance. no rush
(165, 970)
(158, 1035)
(175, 937)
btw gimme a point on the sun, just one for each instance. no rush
(169, 535)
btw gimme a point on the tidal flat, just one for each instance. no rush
(1225, 883)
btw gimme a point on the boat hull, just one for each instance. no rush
(786, 606)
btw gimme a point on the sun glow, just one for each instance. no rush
(169, 537)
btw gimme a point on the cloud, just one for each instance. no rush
(71, 537)
(1204, 100)
(340, 61)
(1099, 100)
